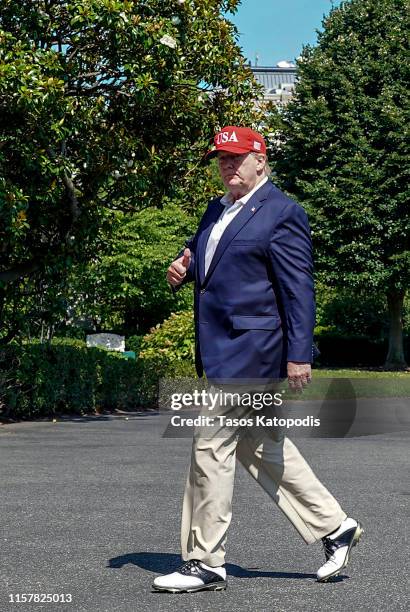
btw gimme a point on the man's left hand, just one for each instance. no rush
(299, 375)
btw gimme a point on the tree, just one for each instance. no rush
(105, 105)
(343, 152)
(124, 287)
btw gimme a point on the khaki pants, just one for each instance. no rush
(275, 463)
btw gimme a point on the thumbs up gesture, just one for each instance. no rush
(178, 269)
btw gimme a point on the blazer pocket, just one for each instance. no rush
(255, 322)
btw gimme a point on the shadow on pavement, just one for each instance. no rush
(109, 416)
(163, 563)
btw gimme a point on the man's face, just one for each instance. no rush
(240, 173)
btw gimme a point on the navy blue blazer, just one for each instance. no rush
(255, 307)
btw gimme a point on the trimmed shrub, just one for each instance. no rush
(351, 350)
(133, 343)
(171, 342)
(65, 376)
(168, 351)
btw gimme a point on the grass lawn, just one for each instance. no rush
(358, 373)
(344, 384)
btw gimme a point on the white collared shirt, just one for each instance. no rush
(230, 211)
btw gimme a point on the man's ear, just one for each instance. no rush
(261, 162)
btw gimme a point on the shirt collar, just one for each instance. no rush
(227, 199)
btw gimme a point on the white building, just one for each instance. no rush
(278, 81)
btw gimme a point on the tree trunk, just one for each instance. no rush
(395, 356)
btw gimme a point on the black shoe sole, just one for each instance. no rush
(212, 586)
(355, 540)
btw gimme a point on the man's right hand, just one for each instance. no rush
(178, 269)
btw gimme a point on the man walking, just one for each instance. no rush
(251, 262)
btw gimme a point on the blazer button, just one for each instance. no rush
(202, 290)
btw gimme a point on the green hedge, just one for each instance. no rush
(352, 350)
(41, 380)
(168, 351)
(172, 343)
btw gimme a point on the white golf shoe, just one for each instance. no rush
(337, 547)
(190, 577)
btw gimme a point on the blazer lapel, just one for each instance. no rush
(248, 211)
(203, 238)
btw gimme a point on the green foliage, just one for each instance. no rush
(168, 351)
(351, 350)
(343, 335)
(105, 106)
(349, 312)
(39, 380)
(344, 145)
(343, 151)
(133, 343)
(124, 287)
(171, 343)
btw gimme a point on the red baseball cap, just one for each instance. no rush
(237, 140)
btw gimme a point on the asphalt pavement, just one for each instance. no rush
(90, 507)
